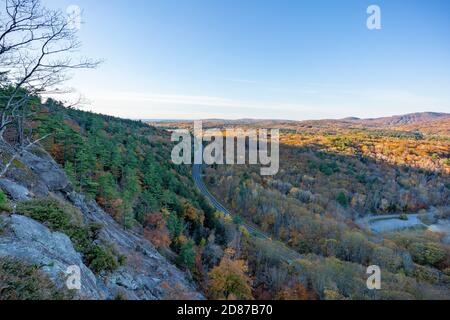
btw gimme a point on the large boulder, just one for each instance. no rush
(47, 170)
(15, 190)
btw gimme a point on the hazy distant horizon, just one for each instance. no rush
(300, 60)
(274, 119)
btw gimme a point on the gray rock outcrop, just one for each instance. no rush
(30, 241)
(146, 275)
(15, 191)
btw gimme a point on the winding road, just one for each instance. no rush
(288, 255)
(197, 175)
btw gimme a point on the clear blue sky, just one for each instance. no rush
(299, 59)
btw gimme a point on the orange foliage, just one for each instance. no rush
(296, 292)
(230, 281)
(177, 292)
(112, 207)
(57, 152)
(192, 214)
(156, 231)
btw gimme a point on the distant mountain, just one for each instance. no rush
(406, 119)
(425, 122)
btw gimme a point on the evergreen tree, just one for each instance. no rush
(186, 258)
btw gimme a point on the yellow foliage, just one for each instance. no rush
(230, 281)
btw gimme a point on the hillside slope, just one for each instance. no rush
(407, 119)
(100, 192)
(143, 273)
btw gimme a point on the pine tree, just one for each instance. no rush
(186, 258)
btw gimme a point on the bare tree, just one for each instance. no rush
(38, 47)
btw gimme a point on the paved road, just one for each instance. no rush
(288, 254)
(197, 175)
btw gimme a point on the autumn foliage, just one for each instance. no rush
(229, 280)
(296, 291)
(156, 230)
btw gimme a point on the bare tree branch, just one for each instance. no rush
(38, 47)
(17, 153)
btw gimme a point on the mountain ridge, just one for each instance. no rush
(408, 118)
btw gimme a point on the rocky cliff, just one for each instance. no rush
(145, 274)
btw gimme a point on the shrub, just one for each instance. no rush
(20, 281)
(4, 206)
(47, 212)
(446, 271)
(427, 253)
(63, 219)
(101, 259)
(404, 217)
(342, 199)
(426, 274)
